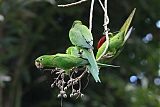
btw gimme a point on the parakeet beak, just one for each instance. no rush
(38, 64)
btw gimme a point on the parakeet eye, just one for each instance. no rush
(41, 59)
(81, 51)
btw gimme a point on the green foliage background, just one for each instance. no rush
(35, 27)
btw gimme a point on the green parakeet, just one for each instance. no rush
(116, 41)
(114, 44)
(81, 36)
(63, 61)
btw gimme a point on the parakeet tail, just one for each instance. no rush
(93, 67)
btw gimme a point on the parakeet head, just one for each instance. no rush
(76, 22)
(42, 61)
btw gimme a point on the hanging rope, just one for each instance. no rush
(106, 22)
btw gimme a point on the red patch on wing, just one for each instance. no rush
(101, 41)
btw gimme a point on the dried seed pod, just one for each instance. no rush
(71, 95)
(59, 86)
(65, 88)
(64, 95)
(82, 95)
(75, 94)
(52, 85)
(78, 91)
(59, 95)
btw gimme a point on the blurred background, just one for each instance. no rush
(30, 28)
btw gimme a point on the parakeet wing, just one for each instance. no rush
(68, 61)
(116, 41)
(86, 33)
(78, 39)
(128, 22)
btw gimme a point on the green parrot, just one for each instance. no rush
(116, 42)
(81, 37)
(63, 61)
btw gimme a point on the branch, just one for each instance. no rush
(82, 74)
(72, 4)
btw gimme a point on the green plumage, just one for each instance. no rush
(128, 22)
(92, 67)
(82, 53)
(73, 50)
(63, 61)
(116, 42)
(81, 37)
